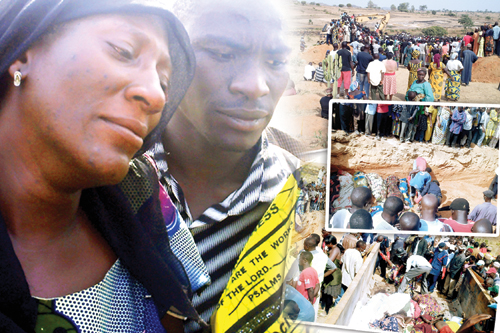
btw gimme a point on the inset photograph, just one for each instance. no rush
(436, 160)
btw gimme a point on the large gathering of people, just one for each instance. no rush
(453, 126)
(436, 65)
(424, 268)
(411, 203)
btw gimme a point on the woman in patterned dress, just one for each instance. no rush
(84, 95)
(455, 67)
(436, 77)
(441, 126)
(413, 67)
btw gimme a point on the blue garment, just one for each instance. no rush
(440, 259)
(469, 58)
(496, 32)
(382, 57)
(429, 239)
(306, 308)
(420, 180)
(457, 121)
(364, 58)
(423, 226)
(422, 88)
(371, 109)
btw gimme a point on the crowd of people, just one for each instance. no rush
(453, 126)
(312, 196)
(367, 201)
(325, 268)
(372, 58)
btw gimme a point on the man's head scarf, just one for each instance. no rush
(23, 22)
(415, 54)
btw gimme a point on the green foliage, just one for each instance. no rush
(466, 21)
(423, 8)
(303, 3)
(451, 14)
(371, 4)
(435, 31)
(488, 18)
(412, 9)
(403, 7)
(433, 12)
(318, 4)
(341, 5)
(349, 5)
(393, 7)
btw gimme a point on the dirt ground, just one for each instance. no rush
(463, 173)
(299, 115)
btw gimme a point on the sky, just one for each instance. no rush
(490, 5)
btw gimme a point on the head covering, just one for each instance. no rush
(489, 249)
(460, 204)
(480, 263)
(415, 54)
(491, 270)
(422, 69)
(496, 264)
(437, 60)
(23, 22)
(452, 247)
(454, 56)
(469, 250)
(489, 194)
(441, 245)
(488, 256)
(354, 85)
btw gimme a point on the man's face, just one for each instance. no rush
(241, 72)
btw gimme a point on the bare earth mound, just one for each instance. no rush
(316, 54)
(486, 70)
(462, 173)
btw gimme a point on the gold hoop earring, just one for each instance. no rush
(17, 78)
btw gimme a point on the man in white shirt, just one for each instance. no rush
(309, 72)
(416, 265)
(353, 261)
(386, 219)
(485, 118)
(375, 71)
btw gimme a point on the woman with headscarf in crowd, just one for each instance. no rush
(422, 87)
(83, 94)
(489, 45)
(441, 126)
(413, 66)
(482, 33)
(436, 77)
(452, 88)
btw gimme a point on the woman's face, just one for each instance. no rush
(94, 90)
(421, 76)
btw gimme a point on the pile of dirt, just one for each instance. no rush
(463, 173)
(315, 54)
(486, 70)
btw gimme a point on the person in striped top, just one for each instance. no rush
(215, 160)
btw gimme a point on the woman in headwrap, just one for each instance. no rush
(488, 42)
(84, 89)
(480, 52)
(421, 87)
(441, 127)
(436, 76)
(413, 66)
(452, 87)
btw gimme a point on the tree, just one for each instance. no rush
(403, 7)
(303, 3)
(466, 21)
(488, 18)
(341, 5)
(433, 12)
(393, 7)
(435, 31)
(371, 4)
(349, 5)
(412, 9)
(423, 8)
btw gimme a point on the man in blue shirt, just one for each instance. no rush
(363, 58)
(496, 38)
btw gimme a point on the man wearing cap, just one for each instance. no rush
(458, 221)
(416, 265)
(456, 265)
(438, 266)
(485, 210)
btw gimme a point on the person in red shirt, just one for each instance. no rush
(459, 211)
(308, 283)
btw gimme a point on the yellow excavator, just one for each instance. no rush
(384, 19)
